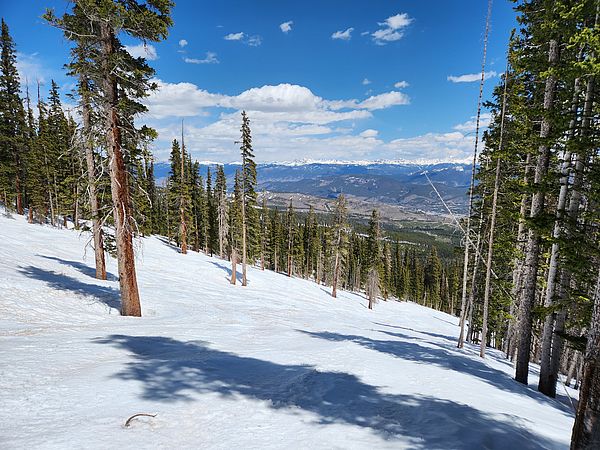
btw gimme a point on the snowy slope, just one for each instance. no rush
(279, 364)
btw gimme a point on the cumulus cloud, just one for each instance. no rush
(183, 43)
(471, 77)
(401, 85)
(285, 118)
(392, 29)
(345, 35)
(142, 51)
(366, 81)
(286, 27)
(234, 36)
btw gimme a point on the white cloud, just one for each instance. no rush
(211, 58)
(471, 125)
(286, 118)
(254, 41)
(142, 51)
(471, 77)
(401, 85)
(30, 69)
(385, 100)
(235, 36)
(369, 133)
(453, 146)
(286, 27)
(345, 35)
(366, 81)
(392, 29)
(183, 43)
(398, 21)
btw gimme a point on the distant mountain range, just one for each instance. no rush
(400, 183)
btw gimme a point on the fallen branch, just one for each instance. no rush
(128, 422)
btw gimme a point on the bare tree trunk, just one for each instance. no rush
(586, 431)
(518, 267)
(472, 185)
(533, 240)
(233, 265)
(336, 266)
(91, 174)
(130, 299)
(488, 268)
(244, 281)
(183, 227)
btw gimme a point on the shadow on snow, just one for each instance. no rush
(172, 370)
(443, 357)
(104, 294)
(83, 268)
(227, 270)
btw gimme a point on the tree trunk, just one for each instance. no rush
(586, 431)
(130, 299)
(532, 250)
(183, 227)
(233, 265)
(244, 281)
(548, 377)
(91, 170)
(336, 266)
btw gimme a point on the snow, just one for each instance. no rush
(278, 364)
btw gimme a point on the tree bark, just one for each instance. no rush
(91, 171)
(130, 299)
(534, 236)
(586, 431)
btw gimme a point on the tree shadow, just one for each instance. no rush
(83, 268)
(229, 272)
(449, 359)
(428, 333)
(172, 370)
(104, 294)
(168, 244)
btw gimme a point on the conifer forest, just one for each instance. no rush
(289, 324)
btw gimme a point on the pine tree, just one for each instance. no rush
(119, 73)
(339, 230)
(222, 210)
(248, 187)
(12, 123)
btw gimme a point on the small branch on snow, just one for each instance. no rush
(128, 422)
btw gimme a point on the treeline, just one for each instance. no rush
(326, 249)
(533, 279)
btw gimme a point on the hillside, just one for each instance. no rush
(279, 364)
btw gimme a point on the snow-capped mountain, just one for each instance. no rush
(401, 183)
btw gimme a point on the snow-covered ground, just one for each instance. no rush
(278, 364)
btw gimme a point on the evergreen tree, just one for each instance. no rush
(123, 80)
(339, 231)
(12, 124)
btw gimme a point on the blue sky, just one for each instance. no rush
(329, 79)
